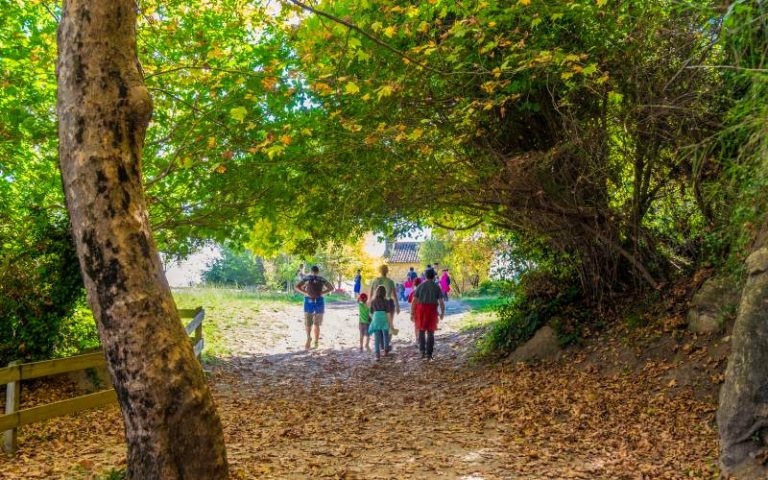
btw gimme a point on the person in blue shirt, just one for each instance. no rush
(358, 284)
(412, 275)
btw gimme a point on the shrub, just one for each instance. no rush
(40, 286)
(238, 268)
(539, 298)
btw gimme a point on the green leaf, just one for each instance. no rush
(238, 113)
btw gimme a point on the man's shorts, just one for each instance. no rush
(314, 308)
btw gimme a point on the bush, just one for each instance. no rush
(40, 286)
(242, 269)
(77, 333)
(538, 299)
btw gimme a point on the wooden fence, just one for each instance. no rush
(14, 373)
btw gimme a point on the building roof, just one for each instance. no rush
(404, 252)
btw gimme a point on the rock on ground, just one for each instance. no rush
(543, 346)
(711, 305)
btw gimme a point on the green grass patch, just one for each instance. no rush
(483, 304)
(230, 309)
(482, 311)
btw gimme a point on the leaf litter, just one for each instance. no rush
(335, 413)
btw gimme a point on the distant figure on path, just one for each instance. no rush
(364, 322)
(408, 288)
(445, 284)
(300, 273)
(427, 298)
(358, 284)
(381, 308)
(391, 296)
(424, 273)
(313, 287)
(412, 275)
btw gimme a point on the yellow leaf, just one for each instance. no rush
(351, 88)
(211, 142)
(524, 2)
(286, 139)
(306, 131)
(385, 91)
(389, 31)
(323, 88)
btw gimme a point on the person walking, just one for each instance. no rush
(414, 310)
(381, 308)
(358, 284)
(391, 294)
(364, 321)
(424, 273)
(445, 284)
(427, 298)
(313, 287)
(412, 275)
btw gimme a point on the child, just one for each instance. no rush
(414, 308)
(365, 321)
(381, 307)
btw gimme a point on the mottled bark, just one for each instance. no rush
(172, 428)
(743, 413)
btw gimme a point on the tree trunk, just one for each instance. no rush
(743, 413)
(171, 425)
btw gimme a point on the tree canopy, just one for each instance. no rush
(573, 125)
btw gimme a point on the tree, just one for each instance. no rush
(240, 268)
(434, 250)
(171, 425)
(561, 120)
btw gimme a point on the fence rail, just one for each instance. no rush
(15, 373)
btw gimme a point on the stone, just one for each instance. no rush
(543, 346)
(712, 304)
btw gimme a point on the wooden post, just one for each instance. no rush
(199, 335)
(12, 401)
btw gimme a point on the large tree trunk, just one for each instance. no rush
(743, 413)
(171, 425)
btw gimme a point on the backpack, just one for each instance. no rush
(314, 286)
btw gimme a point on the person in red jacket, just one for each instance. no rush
(429, 298)
(414, 309)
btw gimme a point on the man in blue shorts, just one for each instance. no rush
(313, 287)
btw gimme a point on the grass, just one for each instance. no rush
(483, 304)
(229, 308)
(482, 311)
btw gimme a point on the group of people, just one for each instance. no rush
(378, 307)
(407, 287)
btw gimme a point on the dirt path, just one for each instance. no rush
(335, 413)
